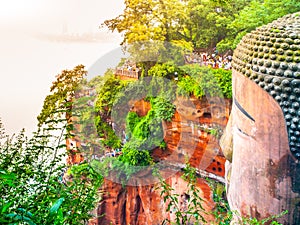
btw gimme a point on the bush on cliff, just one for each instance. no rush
(204, 81)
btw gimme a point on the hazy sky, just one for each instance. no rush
(40, 38)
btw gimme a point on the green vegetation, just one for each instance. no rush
(63, 90)
(144, 20)
(254, 14)
(32, 171)
(107, 94)
(163, 109)
(36, 185)
(204, 81)
(33, 186)
(146, 133)
(132, 120)
(143, 133)
(198, 23)
(223, 78)
(167, 70)
(110, 139)
(135, 157)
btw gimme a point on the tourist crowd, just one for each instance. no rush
(212, 60)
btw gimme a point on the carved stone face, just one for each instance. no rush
(270, 56)
(265, 122)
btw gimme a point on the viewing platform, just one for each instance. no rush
(126, 74)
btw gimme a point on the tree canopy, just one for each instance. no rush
(62, 91)
(255, 14)
(144, 20)
(203, 23)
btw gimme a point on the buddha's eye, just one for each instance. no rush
(243, 110)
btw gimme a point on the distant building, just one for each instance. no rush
(128, 71)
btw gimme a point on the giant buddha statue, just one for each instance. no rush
(262, 138)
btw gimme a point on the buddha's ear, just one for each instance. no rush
(226, 141)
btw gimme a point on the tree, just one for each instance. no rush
(108, 93)
(63, 90)
(33, 189)
(256, 14)
(150, 29)
(204, 23)
(200, 22)
(208, 20)
(145, 20)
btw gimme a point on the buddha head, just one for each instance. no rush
(264, 128)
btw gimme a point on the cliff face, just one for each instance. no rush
(194, 132)
(191, 135)
(143, 205)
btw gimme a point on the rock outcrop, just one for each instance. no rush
(143, 205)
(191, 135)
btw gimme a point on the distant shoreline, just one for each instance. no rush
(87, 37)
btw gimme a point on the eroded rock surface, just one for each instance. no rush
(188, 136)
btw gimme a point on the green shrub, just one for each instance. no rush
(32, 187)
(131, 121)
(107, 93)
(188, 86)
(166, 70)
(163, 109)
(204, 81)
(105, 131)
(224, 79)
(135, 157)
(146, 132)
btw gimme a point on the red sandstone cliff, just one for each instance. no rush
(189, 134)
(143, 205)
